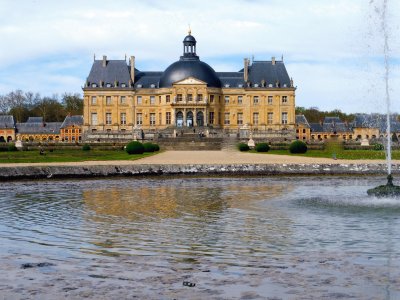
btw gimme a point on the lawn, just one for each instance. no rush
(342, 154)
(67, 156)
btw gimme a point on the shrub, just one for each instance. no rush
(156, 147)
(262, 147)
(86, 147)
(243, 147)
(11, 147)
(149, 147)
(298, 147)
(378, 147)
(134, 147)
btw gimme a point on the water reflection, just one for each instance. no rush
(231, 227)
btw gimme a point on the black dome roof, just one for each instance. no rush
(189, 38)
(189, 68)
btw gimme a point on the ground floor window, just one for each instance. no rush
(152, 119)
(94, 118)
(240, 118)
(168, 118)
(139, 119)
(108, 119)
(211, 119)
(255, 118)
(227, 117)
(123, 118)
(270, 118)
(284, 118)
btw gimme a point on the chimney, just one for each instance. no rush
(246, 70)
(104, 61)
(132, 63)
(273, 60)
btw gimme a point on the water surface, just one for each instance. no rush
(250, 238)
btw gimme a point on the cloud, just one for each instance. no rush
(319, 39)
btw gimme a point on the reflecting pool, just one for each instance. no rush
(234, 238)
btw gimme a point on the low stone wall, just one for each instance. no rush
(84, 171)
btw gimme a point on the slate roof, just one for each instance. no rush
(301, 119)
(7, 121)
(261, 74)
(35, 120)
(329, 120)
(39, 128)
(115, 70)
(376, 121)
(331, 127)
(72, 120)
(272, 74)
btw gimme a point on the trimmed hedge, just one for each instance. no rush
(298, 147)
(378, 147)
(86, 147)
(134, 147)
(262, 147)
(243, 147)
(149, 147)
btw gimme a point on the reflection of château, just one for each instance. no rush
(189, 93)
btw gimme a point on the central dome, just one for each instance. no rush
(183, 69)
(189, 65)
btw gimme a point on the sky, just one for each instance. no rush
(333, 50)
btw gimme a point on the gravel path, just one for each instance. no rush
(209, 157)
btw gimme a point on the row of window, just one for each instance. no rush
(227, 118)
(255, 121)
(72, 131)
(189, 97)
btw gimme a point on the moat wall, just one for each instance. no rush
(85, 171)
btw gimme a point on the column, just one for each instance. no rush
(194, 117)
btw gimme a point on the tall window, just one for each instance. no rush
(240, 99)
(152, 100)
(200, 97)
(179, 97)
(123, 100)
(168, 118)
(226, 99)
(240, 118)
(284, 118)
(255, 100)
(189, 97)
(269, 100)
(152, 119)
(284, 99)
(167, 98)
(139, 119)
(139, 100)
(227, 117)
(94, 100)
(255, 118)
(108, 100)
(212, 98)
(94, 119)
(108, 119)
(270, 118)
(123, 118)
(159, 118)
(211, 119)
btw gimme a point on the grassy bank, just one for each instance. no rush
(343, 154)
(67, 156)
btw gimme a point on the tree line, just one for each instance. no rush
(55, 108)
(314, 115)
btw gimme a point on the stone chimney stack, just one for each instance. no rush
(132, 63)
(246, 70)
(104, 61)
(273, 60)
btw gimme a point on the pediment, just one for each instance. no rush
(190, 80)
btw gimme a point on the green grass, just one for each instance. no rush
(67, 156)
(343, 154)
